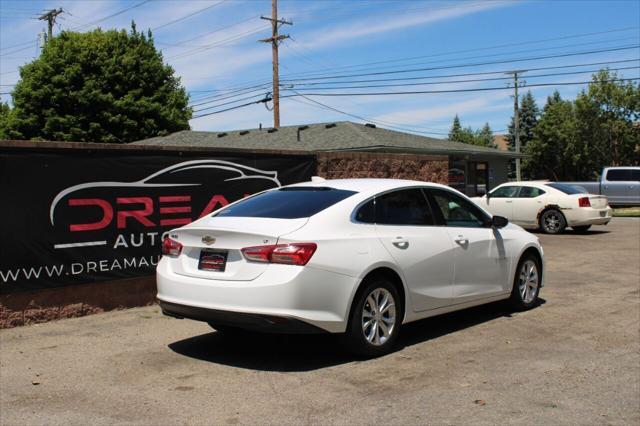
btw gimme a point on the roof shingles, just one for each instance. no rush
(343, 136)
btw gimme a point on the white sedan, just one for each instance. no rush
(359, 257)
(547, 206)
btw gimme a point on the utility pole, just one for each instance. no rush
(50, 16)
(516, 120)
(275, 40)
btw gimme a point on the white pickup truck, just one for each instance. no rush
(621, 185)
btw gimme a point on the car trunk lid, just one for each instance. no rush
(215, 244)
(598, 201)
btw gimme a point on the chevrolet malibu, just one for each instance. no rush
(359, 257)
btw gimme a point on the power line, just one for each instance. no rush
(218, 43)
(244, 90)
(175, 21)
(483, 89)
(120, 12)
(477, 89)
(496, 55)
(80, 27)
(466, 74)
(217, 98)
(225, 103)
(472, 80)
(265, 100)
(479, 49)
(183, 42)
(366, 119)
(534, 58)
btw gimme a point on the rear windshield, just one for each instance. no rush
(568, 189)
(287, 203)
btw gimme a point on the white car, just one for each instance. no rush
(355, 256)
(548, 206)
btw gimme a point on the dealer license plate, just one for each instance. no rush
(212, 260)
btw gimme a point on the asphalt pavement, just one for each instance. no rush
(575, 359)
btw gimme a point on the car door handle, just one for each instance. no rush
(462, 240)
(400, 242)
(509, 201)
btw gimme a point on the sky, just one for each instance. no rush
(439, 47)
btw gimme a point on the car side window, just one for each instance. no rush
(367, 212)
(505, 192)
(403, 207)
(619, 175)
(456, 211)
(530, 192)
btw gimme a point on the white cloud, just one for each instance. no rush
(330, 36)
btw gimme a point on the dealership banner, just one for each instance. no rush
(82, 216)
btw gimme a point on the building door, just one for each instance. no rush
(478, 180)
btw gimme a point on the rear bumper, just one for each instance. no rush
(588, 216)
(282, 294)
(255, 322)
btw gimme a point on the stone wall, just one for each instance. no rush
(31, 307)
(340, 165)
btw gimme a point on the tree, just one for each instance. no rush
(528, 114)
(456, 129)
(482, 137)
(608, 113)
(554, 139)
(100, 86)
(5, 111)
(575, 140)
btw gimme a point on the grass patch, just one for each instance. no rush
(627, 212)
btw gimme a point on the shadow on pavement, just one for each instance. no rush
(275, 352)
(570, 231)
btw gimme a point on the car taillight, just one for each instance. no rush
(584, 202)
(288, 254)
(171, 247)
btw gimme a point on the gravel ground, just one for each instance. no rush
(573, 360)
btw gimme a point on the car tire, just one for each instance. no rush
(552, 221)
(365, 336)
(581, 229)
(526, 283)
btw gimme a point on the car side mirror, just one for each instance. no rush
(488, 195)
(499, 221)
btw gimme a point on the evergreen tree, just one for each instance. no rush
(484, 136)
(456, 129)
(528, 114)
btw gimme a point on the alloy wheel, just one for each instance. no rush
(378, 316)
(528, 281)
(552, 222)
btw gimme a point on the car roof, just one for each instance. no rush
(369, 185)
(536, 183)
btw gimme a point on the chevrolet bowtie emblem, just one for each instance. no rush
(208, 240)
